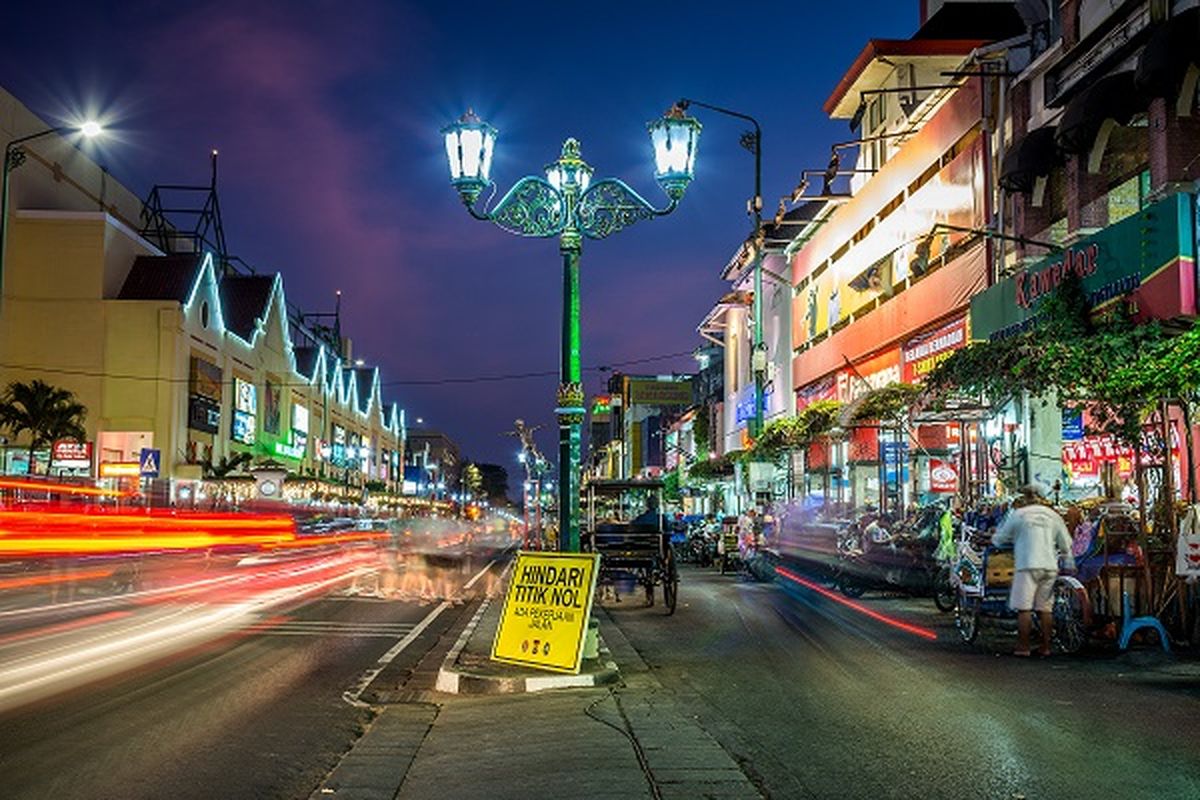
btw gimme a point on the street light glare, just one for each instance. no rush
(91, 128)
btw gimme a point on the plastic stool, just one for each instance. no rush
(1131, 624)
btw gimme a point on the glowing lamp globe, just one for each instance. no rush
(674, 137)
(469, 143)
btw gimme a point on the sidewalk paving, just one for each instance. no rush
(625, 741)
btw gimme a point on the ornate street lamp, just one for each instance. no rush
(752, 141)
(569, 205)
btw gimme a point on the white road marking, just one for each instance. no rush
(352, 695)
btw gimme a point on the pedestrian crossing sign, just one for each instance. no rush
(149, 462)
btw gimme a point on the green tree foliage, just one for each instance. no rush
(226, 466)
(1115, 368)
(783, 434)
(887, 403)
(714, 469)
(47, 413)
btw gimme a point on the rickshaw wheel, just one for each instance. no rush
(670, 585)
(966, 620)
(945, 596)
(1069, 632)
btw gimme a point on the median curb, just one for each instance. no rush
(468, 669)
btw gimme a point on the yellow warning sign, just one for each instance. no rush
(546, 610)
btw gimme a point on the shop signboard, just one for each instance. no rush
(299, 426)
(654, 392)
(873, 373)
(824, 389)
(943, 477)
(922, 353)
(203, 414)
(120, 469)
(245, 411)
(204, 396)
(895, 461)
(546, 609)
(1072, 425)
(1150, 256)
(69, 455)
(204, 379)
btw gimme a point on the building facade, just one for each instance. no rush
(182, 353)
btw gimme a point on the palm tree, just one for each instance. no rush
(48, 413)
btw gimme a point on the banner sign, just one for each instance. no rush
(660, 393)
(922, 353)
(1149, 255)
(71, 455)
(546, 609)
(1072, 425)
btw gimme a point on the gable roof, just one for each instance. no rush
(306, 360)
(244, 301)
(161, 278)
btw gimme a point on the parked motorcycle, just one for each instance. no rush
(899, 560)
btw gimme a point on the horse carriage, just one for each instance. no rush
(623, 522)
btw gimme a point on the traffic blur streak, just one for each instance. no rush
(898, 624)
(88, 594)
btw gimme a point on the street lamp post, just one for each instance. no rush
(752, 141)
(569, 205)
(14, 156)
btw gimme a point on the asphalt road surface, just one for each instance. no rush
(818, 700)
(259, 713)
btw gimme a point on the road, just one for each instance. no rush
(257, 712)
(816, 699)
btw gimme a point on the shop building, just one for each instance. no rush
(1102, 162)
(172, 346)
(882, 288)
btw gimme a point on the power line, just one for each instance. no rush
(300, 385)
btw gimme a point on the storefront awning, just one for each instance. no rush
(1031, 157)
(1112, 97)
(1173, 48)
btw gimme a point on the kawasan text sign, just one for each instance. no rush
(1149, 258)
(546, 610)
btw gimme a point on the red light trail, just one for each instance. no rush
(916, 630)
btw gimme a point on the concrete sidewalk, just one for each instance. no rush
(468, 668)
(626, 741)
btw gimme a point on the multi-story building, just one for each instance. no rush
(434, 463)
(882, 287)
(639, 410)
(1103, 156)
(170, 345)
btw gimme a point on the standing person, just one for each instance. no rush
(1038, 537)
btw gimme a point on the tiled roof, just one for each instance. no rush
(161, 278)
(244, 300)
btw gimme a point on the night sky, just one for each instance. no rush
(332, 171)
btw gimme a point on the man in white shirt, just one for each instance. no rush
(1038, 536)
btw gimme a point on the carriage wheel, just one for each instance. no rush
(670, 585)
